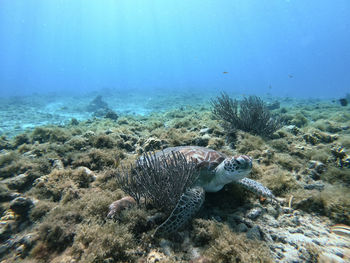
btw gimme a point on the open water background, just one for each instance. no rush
(292, 48)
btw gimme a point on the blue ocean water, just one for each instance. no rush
(285, 48)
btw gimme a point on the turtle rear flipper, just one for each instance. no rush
(188, 205)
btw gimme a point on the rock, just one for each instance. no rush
(97, 104)
(267, 237)
(339, 253)
(340, 155)
(152, 144)
(293, 244)
(280, 255)
(205, 131)
(4, 143)
(6, 196)
(317, 137)
(308, 234)
(272, 211)
(88, 172)
(4, 248)
(293, 129)
(5, 232)
(254, 233)
(7, 225)
(310, 139)
(101, 113)
(128, 146)
(201, 259)
(317, 165)
(106, 260)
(316, 241)
(21, 206)
(267, 156)
(287, 210)
(275, 247)
(295, 220)
(314, 175)
(242, 227)
(88, 134)
(166, 247)
(237, 217)
(74, 122)
(21, 245)
(111, 115)
(18, 182)
(254, 213)
(296, 231)
(271, 221)
(216, 218)
(108, 131)
(29, 239)
(318, 186)
(20, 249)
(316, 169)
(57, 164)
(202, 141)
(327, 257)
(273, 105)
(280, 238)
(155, 256)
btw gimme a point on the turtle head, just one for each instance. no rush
(235, 168)
(230, 170)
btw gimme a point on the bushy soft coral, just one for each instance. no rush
(159, 180)
(253, 116)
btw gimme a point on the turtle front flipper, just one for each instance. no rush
(188, 205)
(256, 188)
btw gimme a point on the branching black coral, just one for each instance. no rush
(159, 179)
(253, 116)
(256, 118)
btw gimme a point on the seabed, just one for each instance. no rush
(57, 152)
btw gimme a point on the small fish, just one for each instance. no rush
(270, 87)
(341, 230)
(225, 72)
(290, 76)
(343, 102)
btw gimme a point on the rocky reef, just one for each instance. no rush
(57, 185)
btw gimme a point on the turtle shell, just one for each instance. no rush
(205, 159)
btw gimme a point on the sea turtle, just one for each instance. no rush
(215, 170)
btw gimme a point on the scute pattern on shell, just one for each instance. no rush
(206, 159)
